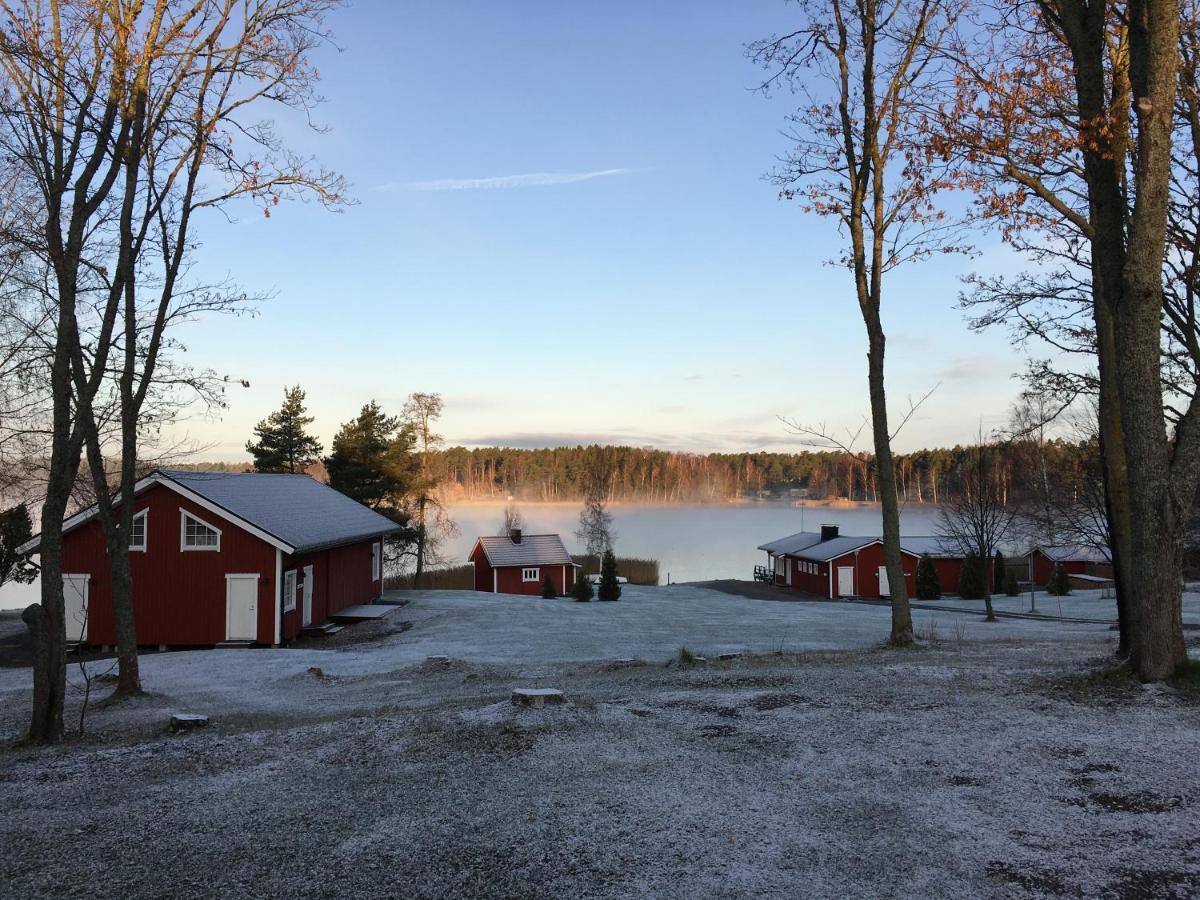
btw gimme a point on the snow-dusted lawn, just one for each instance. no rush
(960, 770)
(1077, 604)
(535, 636)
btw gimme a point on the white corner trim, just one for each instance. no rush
(279, 596)
(184, 515)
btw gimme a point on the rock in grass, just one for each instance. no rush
(536, 698)
(187, 722)
(725, 657)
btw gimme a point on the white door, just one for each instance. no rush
(308, 589)
(241, 607)
(884, 589)
(845, 581)
(75, 598)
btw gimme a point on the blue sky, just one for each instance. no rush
(563, 227)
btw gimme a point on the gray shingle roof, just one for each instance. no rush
(808, 545)
(296, 509)
(1065, 553)
(534, 550)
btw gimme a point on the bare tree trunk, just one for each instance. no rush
(1158, 649)
(902, 628)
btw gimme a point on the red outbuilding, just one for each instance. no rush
(221, 557)
(1071, 559)
(519, 563)
(832, 565)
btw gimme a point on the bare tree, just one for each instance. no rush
(978, 519)
(595, 529)
(512, 519)
(115, 110)
(429, 514)
(862, 70)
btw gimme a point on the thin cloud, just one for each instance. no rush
(502, 182)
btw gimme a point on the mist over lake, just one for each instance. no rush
(692, 543)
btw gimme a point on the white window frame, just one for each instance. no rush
(144, 515)
(184, 515)
(376, 556)
(289, 595)
(529, 573)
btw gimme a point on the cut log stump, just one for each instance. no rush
(536, 698)
(187, 722)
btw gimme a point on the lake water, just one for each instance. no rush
(691, 543)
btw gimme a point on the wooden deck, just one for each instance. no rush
(363, 612)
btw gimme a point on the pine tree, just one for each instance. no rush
(582, 591)
(15, 529)
(1060, 583)
(970, 579)
(373, 462)
(548, 591)
(283, 445)
(999, 569)
(1012, 587)
(610, 588)
(929, 583)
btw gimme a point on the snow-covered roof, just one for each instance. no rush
(1067, 553)
(936, 546)
(808, 545)
(292, 512)
(534, 550)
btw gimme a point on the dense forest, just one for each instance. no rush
(637, 474)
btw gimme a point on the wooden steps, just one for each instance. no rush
(235, 645)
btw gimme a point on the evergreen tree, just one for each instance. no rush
(15, 529)
(1060, 583)
(610, 588)
(1012, 587)
(582, 591)
(929, 583)
(283, 444)
(373, 462)
(971, 584)
(999, 570)
(548, 591)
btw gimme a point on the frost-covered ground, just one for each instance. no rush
(963, 768)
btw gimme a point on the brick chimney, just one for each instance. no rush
(828, 533)
(514, 535)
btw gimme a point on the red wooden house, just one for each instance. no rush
(832, 565)
(518, 563)
(1072, 560)
(226, 557)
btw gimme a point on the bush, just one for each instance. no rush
(610, 589)
(1011, 586)
(548, 591)
(999, 570)
(582, 592)
(1060, 583)
(971, 584)
(929, 583)
(455, 578)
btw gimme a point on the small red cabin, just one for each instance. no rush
(519, 563)
(1072, 560)
(833, 565)
(224, 557)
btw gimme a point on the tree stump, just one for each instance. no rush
(187, 722)
(536, 698)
